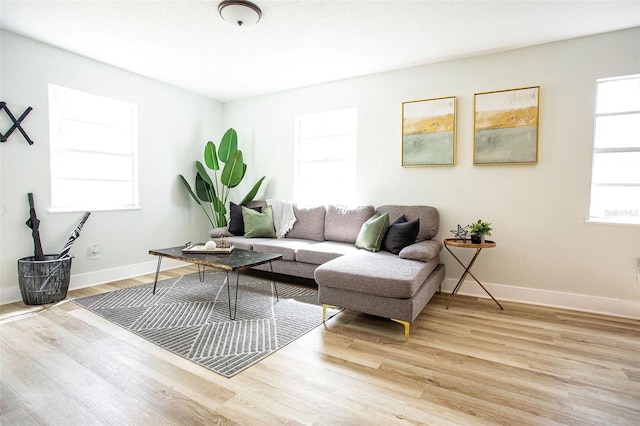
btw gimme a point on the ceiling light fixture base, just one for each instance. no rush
(241, 13)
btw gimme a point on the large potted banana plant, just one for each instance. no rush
(212, 194)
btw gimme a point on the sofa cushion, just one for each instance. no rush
(236, 222)
(401, 234)
(423, 251)
(343, 223)
(258, 224)
(429, 218)
(241, 242)
(287, 247)
(381, 274)
(309, 223)
(372, 232)
(323, 252)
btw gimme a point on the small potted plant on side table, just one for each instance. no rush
(478, 231)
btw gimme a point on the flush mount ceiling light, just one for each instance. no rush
(239, 12)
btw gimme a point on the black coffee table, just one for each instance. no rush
(235, 261)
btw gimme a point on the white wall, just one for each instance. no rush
(545, 252)
(173, 128)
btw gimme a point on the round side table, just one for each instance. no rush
(452, 242)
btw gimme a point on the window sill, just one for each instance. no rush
(97, 209)
(601, 221)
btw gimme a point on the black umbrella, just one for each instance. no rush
(34, 224)
(74, 235)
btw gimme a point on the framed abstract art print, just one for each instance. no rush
(429, 132)
(506, 127)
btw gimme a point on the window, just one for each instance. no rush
(326, 157)
(615, 173)
(94, 158)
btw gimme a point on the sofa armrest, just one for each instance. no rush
(220, 232)
(423, 251)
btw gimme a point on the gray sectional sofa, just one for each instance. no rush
(322, 246)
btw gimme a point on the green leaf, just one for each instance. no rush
(203, 189)
(210, 156)
(233, 170)
(221, 218)
(228, 145)
(186, 184)
(219, 207)
(202, 172)
(251, 194)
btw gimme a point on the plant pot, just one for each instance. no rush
(477, 239)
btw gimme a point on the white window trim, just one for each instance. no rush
(610, 222)
(350, 160)
(135, 205)
(622, 220)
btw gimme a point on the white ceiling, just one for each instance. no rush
(299, 43)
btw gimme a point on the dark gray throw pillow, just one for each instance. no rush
(236, 223)
(401, 233)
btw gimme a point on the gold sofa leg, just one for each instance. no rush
(407, 327)
(324, 310)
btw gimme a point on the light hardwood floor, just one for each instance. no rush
(471, 364)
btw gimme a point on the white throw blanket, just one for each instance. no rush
(283, 216)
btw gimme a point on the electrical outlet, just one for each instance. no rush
(94, 251)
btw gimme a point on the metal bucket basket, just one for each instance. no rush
(44, 281)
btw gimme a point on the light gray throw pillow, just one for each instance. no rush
(424, 250)
(342, 223)
(309, 223)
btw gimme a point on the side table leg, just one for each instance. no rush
(467, 271)
(155, 282)
(487, 291)
(456, 288)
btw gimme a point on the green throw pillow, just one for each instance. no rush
(372, 232)
(258, 224)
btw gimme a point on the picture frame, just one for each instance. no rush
(506, 126)
(429, 132)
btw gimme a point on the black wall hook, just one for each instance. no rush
(16, 123)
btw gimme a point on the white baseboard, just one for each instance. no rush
(89, 279)
(556, 299)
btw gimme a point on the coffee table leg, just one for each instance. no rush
(273, 278)
(157, 272)
(235, 307)
(201, 269)
(232, 316)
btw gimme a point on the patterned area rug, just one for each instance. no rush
(191, 318)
